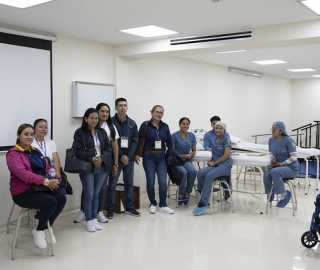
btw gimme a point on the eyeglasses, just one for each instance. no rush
(157, 112)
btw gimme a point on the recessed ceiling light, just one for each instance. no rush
(149, 31)
(269, 62)
(314, 5)
(231, 51)
(317, 76)
(23, 3)
(301, 70)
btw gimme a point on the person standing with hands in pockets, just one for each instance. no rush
(127, 144)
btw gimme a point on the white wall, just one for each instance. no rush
(305, 102)
(73, 60)
(198, 90)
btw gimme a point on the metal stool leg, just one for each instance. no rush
(9, 218)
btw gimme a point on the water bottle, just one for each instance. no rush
(52, 172)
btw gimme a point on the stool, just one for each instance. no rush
(289, 182)
(176, 194)
(30, 214)
(221, 179)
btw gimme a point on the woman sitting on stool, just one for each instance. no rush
(284, 162)
(219, 165)
(28, 166)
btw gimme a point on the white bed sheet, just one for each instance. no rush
(242, 159)
(263, 148)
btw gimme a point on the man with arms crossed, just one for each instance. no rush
(128, 143)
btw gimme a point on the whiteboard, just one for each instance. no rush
(87, 95)
(25, 85)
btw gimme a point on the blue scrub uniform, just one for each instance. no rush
(281, 151)
(207, 175)
(187, 171)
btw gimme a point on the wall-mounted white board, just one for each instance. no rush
(88, 95)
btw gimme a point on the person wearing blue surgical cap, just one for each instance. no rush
(284, 163)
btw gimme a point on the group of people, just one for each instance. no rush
(111, 144)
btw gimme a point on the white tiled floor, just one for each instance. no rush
(241, 240)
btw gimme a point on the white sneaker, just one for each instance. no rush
(39, 238)
(90, 226)
(166, 210)
(81, 216)
(153, 209)
(96, 224)
(101, 217)
(48, 236)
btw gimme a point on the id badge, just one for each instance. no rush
(157, 144)
(124, 142)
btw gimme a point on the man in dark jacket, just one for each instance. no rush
(128, 143)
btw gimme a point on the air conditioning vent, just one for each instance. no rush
(246, 34)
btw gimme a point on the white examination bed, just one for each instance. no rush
(243, 159)
(304, 153)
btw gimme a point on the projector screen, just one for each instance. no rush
(25, 85)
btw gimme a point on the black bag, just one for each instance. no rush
(65, 183)
(76, 165)
(41, 188)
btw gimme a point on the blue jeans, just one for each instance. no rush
(206, 176)
(91, 184)
(50, 204)
(128, 171)
(276, 176)
(156, 164)
(103, 191)
(188, 173)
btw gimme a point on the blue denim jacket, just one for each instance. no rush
(127, 128)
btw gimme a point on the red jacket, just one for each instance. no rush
(21, 175)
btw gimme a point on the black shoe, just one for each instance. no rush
(226, 195)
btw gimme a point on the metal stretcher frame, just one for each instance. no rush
(243, 159)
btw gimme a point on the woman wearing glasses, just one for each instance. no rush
(157, 140)
(284, 163)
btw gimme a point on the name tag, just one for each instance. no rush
(124, 142)
(157, 144)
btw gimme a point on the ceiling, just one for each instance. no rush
(100, 20)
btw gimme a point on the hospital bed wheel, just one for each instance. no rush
(309, 240)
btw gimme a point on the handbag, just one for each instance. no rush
(142, 141)
(76, 165)
(65, 183)
(41, 188)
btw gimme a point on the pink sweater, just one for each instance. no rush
(21, 175)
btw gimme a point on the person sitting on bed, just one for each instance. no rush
(284, 163)
(219, 165)
(206, 145)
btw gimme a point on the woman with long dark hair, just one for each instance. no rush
(91, 144)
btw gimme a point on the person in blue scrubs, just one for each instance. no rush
(206, 145)
(284, 163)
(219, 165)
(184, 143)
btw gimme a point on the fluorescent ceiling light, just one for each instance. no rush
(23, 3)
(269, 62)
(245, 72)
(231, 51)
(301, 70)
(314, 5)
(149, 31)
(317, 76)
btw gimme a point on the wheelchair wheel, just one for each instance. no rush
(309, 240)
